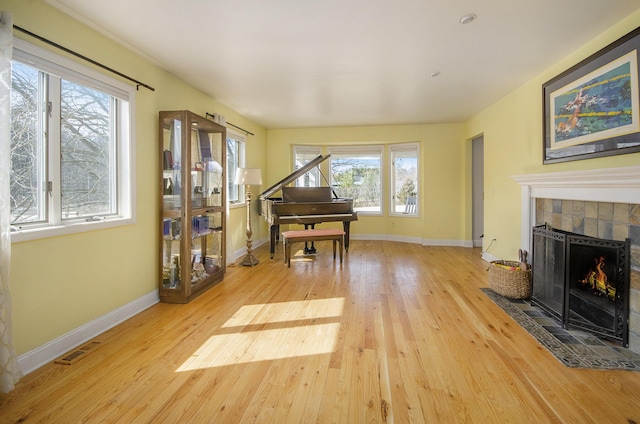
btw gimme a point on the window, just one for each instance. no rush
(356, 173)
(301, 156)
(235, 160)
(404, 178)
(71, 146)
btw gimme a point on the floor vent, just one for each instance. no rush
(74, 356)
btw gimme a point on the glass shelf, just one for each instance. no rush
(193, 204)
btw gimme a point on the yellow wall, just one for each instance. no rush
(442, 193)
(512, 129)
(61, 283)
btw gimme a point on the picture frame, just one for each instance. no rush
(593, 109)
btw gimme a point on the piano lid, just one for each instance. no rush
(293, 176)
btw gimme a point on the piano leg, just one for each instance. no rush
(309, 250)
(346, 225)
(274, 237)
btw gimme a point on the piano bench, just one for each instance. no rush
(297, 236)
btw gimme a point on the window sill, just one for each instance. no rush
(28, 234)
(238, 205)
(368, 213)
(404, 215)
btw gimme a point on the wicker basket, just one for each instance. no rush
(513, 283)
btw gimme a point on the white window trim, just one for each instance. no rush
(126, 157)
(302, 149)
(414, 146)
(242, 201)
(305, 149)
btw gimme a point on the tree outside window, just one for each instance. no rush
(404, 178)
(356, 174)
(70, 146)
(235, 160)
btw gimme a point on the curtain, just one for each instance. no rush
(9, 370)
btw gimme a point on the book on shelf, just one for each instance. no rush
(205, 146)
(167, 159)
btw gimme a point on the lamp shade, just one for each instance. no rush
(248, 176)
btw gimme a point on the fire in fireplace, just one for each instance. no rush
(582, 281)
(597, 281)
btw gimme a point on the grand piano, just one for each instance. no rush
(304, 205)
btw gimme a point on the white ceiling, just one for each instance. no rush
(306, 63)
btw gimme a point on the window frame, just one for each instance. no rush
(315, 151)
(376, 149)
(242, 143)
(393, 149)
(61, 67)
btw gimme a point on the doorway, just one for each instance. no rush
(477, 187)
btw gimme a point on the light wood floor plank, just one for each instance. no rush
(399, 333)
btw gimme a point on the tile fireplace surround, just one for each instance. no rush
(602, 203)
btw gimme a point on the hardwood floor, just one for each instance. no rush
(400, 333)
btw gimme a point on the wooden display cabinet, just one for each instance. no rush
(193, 192)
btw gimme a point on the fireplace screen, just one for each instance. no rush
(582, 281)
(548, 279)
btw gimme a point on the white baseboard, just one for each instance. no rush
(454, 243)
(239, 253)
(489, 257)
(379, 237)
(416, 240)
(52, 350)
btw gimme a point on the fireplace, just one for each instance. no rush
(582, 281)
(603, 203)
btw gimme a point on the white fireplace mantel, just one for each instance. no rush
(614, 185)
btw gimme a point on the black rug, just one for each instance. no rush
(574, 348)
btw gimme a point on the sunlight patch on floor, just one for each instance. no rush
(270, 344)
(286, 311)
(300, 256)
(265, 345)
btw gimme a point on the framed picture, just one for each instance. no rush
(593, 109)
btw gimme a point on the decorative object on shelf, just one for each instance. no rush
(248, 177)
(593, 109)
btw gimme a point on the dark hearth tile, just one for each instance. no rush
(625, 353)
(581, 350)
(589, 340)
(605, 352)
(555, 330)
(573, 348)
(567, 339)
(571, 361)
(544, 321)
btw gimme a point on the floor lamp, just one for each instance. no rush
(248, 177)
